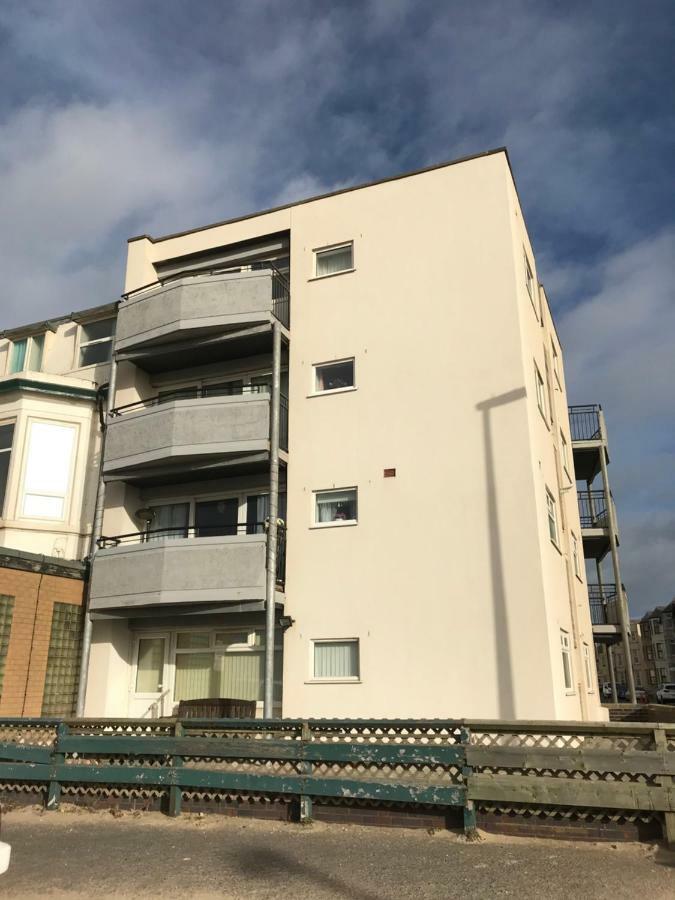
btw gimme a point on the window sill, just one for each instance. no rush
(345, 523)
(333, 681)
(344, 390)
(331, 275)
(556, 546)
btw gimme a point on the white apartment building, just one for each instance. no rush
(427, 505)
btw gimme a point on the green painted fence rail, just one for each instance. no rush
(528, 767)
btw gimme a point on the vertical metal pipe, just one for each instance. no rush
(270, 589)
(621, 605)
(96, 528)
(612, 676)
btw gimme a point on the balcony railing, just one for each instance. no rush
(593, 511)
(192, 393)
(150, 535)
(585, 422)
(602, 601)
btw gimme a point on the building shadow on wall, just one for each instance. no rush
(505, 696)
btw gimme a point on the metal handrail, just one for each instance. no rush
(192, 393)
(593, 509)
(585, 422)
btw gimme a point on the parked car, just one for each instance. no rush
(666, 693)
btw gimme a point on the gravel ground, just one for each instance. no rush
(77, 853)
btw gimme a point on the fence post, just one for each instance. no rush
(57, 759)
(467, 771)
(175, 793)
(306, 768)
(661, 744)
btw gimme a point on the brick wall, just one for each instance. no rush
(26, 663)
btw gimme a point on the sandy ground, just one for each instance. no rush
(76, 853)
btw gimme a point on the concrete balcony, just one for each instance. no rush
(185, 432)
(225, 569)
(595, 524)
(200, 306)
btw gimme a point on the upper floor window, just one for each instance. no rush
(48, 477)
(556, 364)
(541, 391)
(334, 376)
(575, 556)
(333, 260)
(552, 517)
(6, 436)
(337, 507)
(96, 342)
(566, 659)
(26, 354)
(529, 281)
(565, 454)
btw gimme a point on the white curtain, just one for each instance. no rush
(335, 505)
(195, 677)
(149, 673)
(172, 518)
(330, 261)
(242, 676)
(336, 659)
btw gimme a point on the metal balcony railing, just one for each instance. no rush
(151, 535)
(192, 393)
(585, 422)
(602, 601)
(593, 511)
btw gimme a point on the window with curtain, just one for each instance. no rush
(257, 511)
(17, 360)
(221, 664)
(337, 507)
(170, 521)
(333, 260)
(48, 470)
(336, 660)
(150, 667)
(6, 438)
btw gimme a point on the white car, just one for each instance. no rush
(666, 693)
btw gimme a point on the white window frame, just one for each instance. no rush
(81, 344)
(552, 518)
(67, 495)
(313, 679)
(588, 668)
(30, 341)
(529, 281)
(565, 453)
(575, 555)
(315, 392)
(316, 253)
(241, 496)
(337, 523)
(540, 388)
(10, 451)
(556, 363)
(566, 654)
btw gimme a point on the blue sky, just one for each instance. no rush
(122, 117)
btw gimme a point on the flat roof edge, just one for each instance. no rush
(356, 187)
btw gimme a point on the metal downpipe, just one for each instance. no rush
(96, 529)
(272, 529)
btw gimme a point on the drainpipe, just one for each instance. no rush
(270, 590)
(621, 605)
(96, 529)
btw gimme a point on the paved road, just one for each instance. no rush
(83, 854)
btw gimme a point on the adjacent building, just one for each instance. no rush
(652, 651)
(51, 379)
(338, 452)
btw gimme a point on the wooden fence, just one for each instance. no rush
(540, 768)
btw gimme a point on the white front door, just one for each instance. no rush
(150, 690)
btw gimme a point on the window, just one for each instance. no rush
(63, 661)
(575, 555)
(221, 664)
(48, 470)
(650, 653)
(333, 260)
(566, 659)
(529, 280)
(336, 660)
(541, 396)
(334, 376)
(335, 507)
(216, 517)
(6, 437)
(587, 668)
(565, 452)
(556, 364)
(170, 521)
(659, 651)
(6, 615)
(96, 342)
(652, 676)
(552, 517)
(257, 510)
(150, 667)
(27, 354)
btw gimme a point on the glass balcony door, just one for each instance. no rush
(216, 517)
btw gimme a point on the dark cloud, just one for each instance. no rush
(123, 117)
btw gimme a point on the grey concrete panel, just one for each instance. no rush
(180, 429)
(186, 570)
(205, 303)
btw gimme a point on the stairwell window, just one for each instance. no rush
(333, 260)
(96, 342)
(552, 517)
(336, 507)
(566, 660)
(336, 660)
